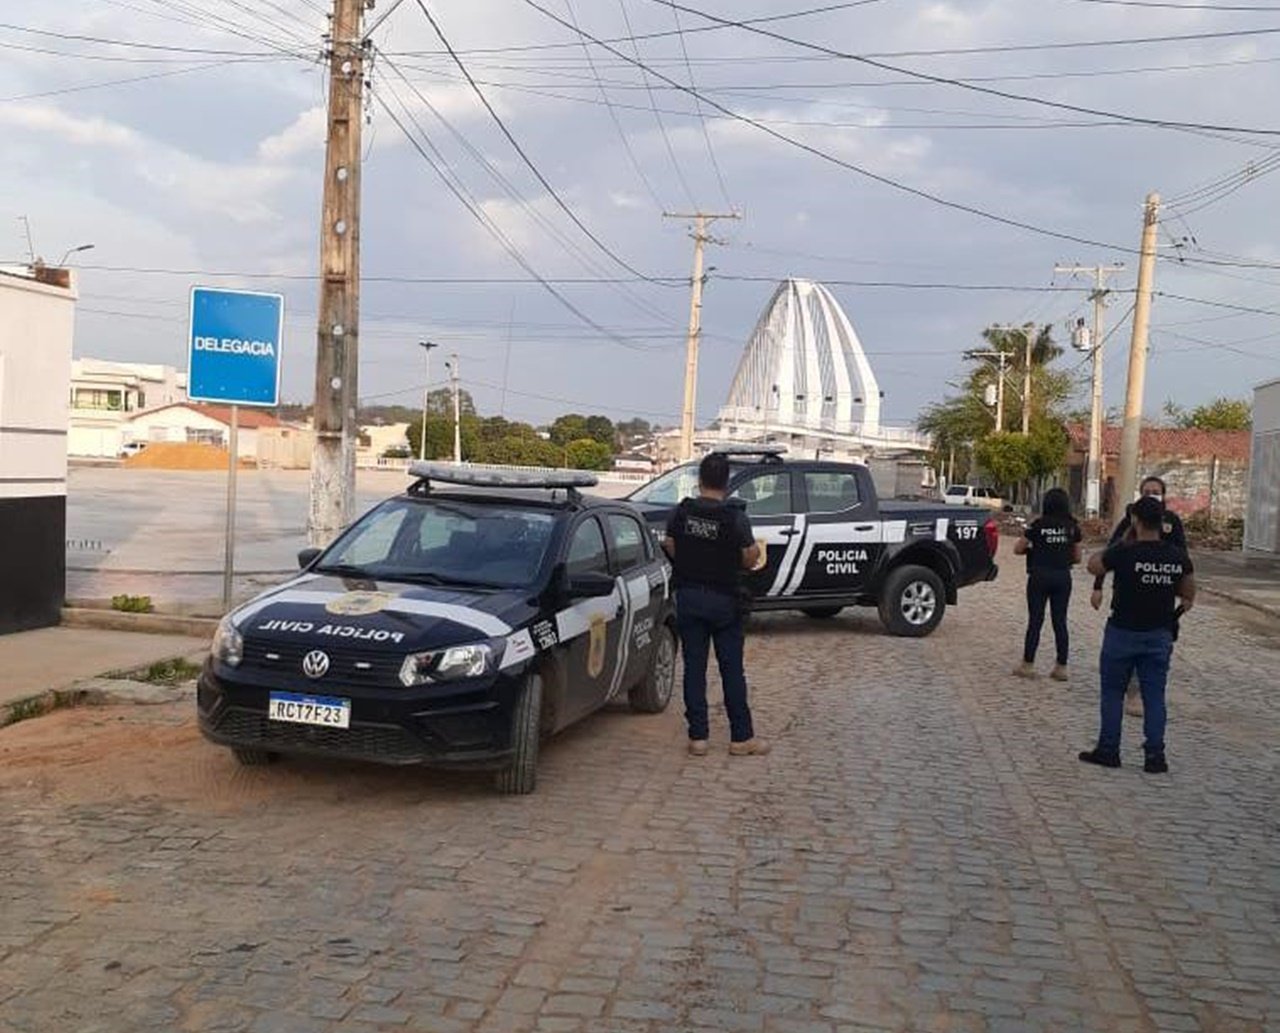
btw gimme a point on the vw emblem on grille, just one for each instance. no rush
(315, 664)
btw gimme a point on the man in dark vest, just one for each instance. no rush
(710, 542)
(1151, 576)
(1171, 531)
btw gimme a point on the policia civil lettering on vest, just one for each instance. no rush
(711, 545)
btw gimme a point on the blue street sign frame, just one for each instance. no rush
(234, 344)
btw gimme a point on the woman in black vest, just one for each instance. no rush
(1052, 546)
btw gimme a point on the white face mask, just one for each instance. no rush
(1157, 496)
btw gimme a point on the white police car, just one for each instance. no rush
(456, 625)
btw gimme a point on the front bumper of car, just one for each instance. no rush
(441, 725)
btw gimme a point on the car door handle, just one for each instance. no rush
(864, 527)
(788, 534)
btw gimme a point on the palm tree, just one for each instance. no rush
(1014, 341)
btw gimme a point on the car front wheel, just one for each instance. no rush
(520, 777)
(913, 602)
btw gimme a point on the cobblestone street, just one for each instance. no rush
(922, 851)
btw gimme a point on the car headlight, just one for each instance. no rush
(452, 664)
(228, 644)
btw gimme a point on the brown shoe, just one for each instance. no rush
(1059, 673)
(1024, 670)
(751, 748)
(698, 747)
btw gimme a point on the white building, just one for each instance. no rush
(1262, 518)
(804, 381)
(376, 439)
(105, 396)
(37, 322)
(197, 423)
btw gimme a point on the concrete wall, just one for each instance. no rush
(37, 322)
(1262, 522)
(1197, 484)
(285, 448)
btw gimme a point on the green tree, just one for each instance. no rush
(1221, 414)
(588, 454)
(439, 437)
(570, 427)
(601, 429)
(1006, 457)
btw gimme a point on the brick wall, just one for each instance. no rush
(1191, 480)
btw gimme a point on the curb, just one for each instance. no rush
(147, 623)
(94, 692)
(1240, 600)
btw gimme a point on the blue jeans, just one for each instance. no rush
(705, 616)
(1125, 653)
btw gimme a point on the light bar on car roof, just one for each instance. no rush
(473, 478)
(743, 449)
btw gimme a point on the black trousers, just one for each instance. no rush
(1051, 588)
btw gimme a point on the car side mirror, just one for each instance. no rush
(307, 557)
(590, 585)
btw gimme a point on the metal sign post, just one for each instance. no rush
(233, 463)
(234, 359)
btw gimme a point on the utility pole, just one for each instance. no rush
(1002, 363)
(1131, 438)
(1093, 471)
(700, 240)
(457, 410)
(333, 461)
(426, 346)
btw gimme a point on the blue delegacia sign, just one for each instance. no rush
(235, 344)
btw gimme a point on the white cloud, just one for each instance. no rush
(305, 133)
(85, 132)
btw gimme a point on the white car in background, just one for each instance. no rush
(971, 495)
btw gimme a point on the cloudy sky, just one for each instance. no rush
(185, 138)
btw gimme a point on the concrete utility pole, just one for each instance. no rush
(700, 240)
(1002, 363)
(1130, 439)
(426, 347)
(457, 410)
(333, 462)
(1093, 471)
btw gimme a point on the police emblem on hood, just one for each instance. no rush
(359, 604)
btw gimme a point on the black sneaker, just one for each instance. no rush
(1156, 764)
(1100, 757)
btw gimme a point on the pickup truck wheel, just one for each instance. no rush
(653, 694)
(913, 602)
(521, 776)
(822, 613)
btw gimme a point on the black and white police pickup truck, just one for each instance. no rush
(454, 625)
(830, 543)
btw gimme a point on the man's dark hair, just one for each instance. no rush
(1148, 513)
(1056, 503)
(713, 472)
(1164, 490)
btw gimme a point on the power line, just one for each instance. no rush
(841, 162)
(524, 155)
(436, 165)
(613, 114)
(570, 247)
(653, 101)
(697, 105)
(132, 44)
(973, 87)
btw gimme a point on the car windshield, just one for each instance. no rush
(958, 489)
(444, 542)
(671, 488)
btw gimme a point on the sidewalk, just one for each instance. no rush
(34, 662)
(1252, 579)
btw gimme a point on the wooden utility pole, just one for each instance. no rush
(1093, 471)
(700, 239)
(1002, 362)
(333, 461)
(1130, 439)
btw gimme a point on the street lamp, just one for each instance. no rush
(74, 251)
(426, 347)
